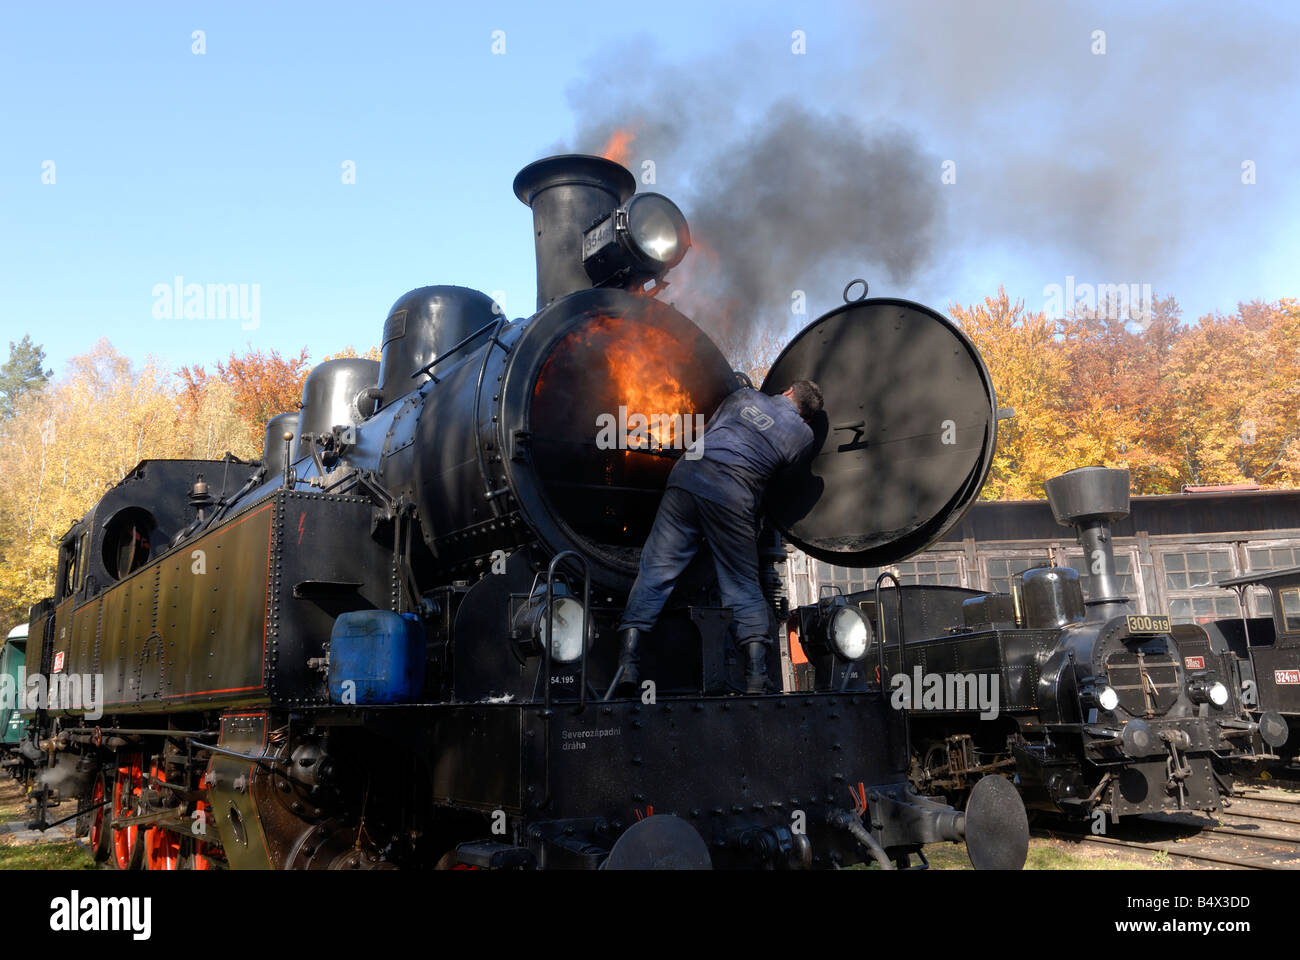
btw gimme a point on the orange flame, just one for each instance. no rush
(619, 145)
(641, 371)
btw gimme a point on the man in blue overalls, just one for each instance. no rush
(715, 492)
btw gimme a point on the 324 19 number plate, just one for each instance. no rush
(1144, 623)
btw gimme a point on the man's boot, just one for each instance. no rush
(756, 667)
(627, 681)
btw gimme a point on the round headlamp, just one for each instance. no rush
(564, 630)
(532, 629)
(640, 241)
(1207, 690)
(656, 230)
(1108, 698)
(849, 633)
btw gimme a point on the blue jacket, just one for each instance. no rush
(749, 439)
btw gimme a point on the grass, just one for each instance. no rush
(1044, 854)
(45, 856)
(61, 855)
(13, 802)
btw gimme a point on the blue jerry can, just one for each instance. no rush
(376, 656)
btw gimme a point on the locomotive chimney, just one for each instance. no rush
(567, 195)
(1090, 499)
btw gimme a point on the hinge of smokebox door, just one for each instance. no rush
(519, 440)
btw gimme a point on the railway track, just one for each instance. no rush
(1260, 830)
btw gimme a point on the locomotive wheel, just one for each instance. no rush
(101, 844)
(128, 848)
(162, 848)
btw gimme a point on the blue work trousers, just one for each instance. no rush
(683, 521)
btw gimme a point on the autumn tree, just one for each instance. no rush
(1119, 391)
(1028, 368)
(63, 447)
(350, 352)
(257, 385)
(1238, 381)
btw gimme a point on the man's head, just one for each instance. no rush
(806, 397)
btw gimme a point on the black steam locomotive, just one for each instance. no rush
(1266, 658)
(1087, 706)
(383, 645)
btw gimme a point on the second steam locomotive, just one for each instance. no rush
(1095, 710)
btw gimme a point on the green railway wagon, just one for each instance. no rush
(13, 655)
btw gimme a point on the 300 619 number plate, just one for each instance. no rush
(1145, 623)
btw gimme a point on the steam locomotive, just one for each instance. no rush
(1266, 658)
(383, 645)
(1090, 708)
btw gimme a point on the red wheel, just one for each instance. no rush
(162, 848)
(100, 845)
(128, 851)
(203, 849)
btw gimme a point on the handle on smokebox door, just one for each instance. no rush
(550, 630)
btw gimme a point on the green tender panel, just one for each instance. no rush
(11, 661)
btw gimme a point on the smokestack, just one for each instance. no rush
(567, 195)
(1090, 499)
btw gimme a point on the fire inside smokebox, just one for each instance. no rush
(617, 401)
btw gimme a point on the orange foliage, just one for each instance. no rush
(263, 384)
(1217, 401)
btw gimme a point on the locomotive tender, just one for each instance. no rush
(1097, 709)
(381, 645)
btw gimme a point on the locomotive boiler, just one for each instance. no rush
(380, 645)
(1094, 709)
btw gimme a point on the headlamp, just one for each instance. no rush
(849, 633)
(1206, 690)
(1108, 698)
(641, 240)
(532, 629)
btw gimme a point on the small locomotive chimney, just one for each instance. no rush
(1090, 499)
(567, 195)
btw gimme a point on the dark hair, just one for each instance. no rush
(807, 398)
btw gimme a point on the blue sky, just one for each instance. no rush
(226, 167)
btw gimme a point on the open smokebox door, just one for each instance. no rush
(905, 439)
(623, 385)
